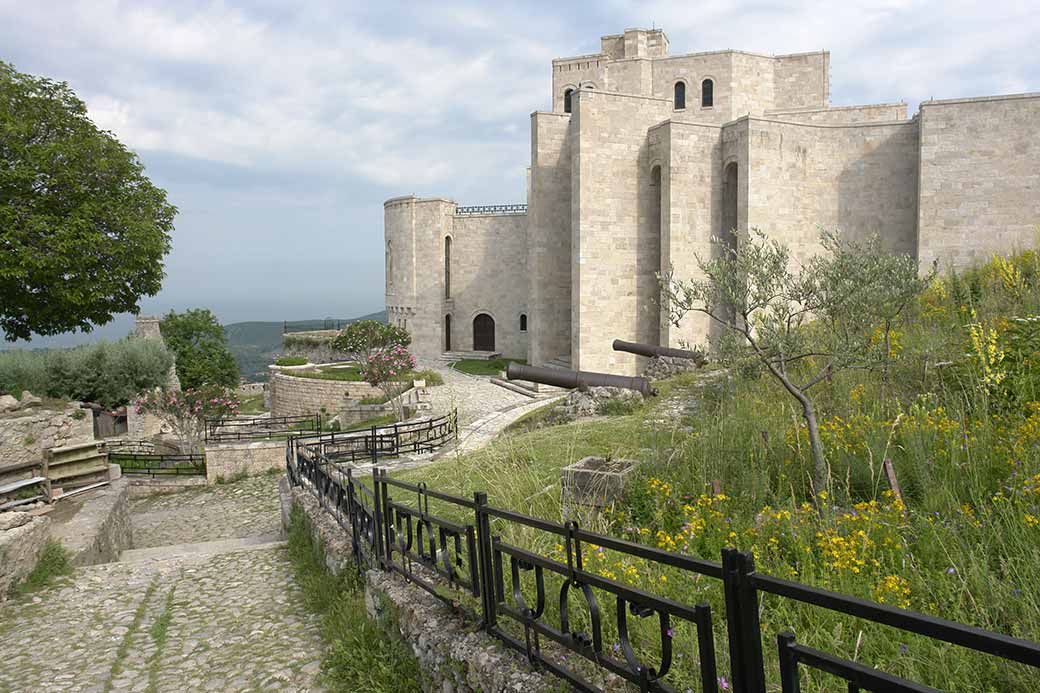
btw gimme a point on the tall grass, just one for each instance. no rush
(361, 654)
(957, 413)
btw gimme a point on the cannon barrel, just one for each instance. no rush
(652, 350)
(578, 379)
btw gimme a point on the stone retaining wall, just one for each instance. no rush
(100, 529)
(25, 433)
(226, 460)
(291, 396)
(454, 657)
(315, 346)
(146, 486)
(22, 538)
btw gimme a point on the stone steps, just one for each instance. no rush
(516, 386)
(204, 548)
(562, 362)
(451, 356)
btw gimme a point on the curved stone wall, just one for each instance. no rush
(291, 396)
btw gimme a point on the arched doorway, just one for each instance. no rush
(447, 333)
(483, 333)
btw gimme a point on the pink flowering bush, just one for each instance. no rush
(388, 369)
(186, 411)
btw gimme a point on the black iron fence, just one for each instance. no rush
(491, 209)
(370, 445)
(393, 528)
(158, 465)
(260, 428)
(313, 325)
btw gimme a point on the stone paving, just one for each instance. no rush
(223, 615)
(474, 396)
(206, 600)
(225, 511)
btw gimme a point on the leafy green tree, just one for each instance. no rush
(83, 232)
(365, 338)
(802, 324)
(200, 347)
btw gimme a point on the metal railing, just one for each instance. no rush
(370, 445)
(153, 465)
(290, 326)
(434, 551)
(260, 428)
(491, 209)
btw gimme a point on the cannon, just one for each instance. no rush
(580, 380)
(651, 350)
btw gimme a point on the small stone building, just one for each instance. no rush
(646, 156)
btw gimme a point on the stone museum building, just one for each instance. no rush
(646, 156)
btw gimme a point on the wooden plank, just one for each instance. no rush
(76, 456)
(83, 489)
(7, 488)
(75, 469)
(78, 446)
(84, 480)
(24, 501)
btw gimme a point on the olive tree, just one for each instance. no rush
(802, 323)
(83, 232)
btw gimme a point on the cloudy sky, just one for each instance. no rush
(279, 128)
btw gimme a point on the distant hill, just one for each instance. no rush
(255, 344)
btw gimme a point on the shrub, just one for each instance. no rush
(186, 411)
(108, 373)
(291, 361)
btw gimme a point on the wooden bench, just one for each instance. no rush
(39, 479)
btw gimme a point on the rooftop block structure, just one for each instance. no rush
(646, 157)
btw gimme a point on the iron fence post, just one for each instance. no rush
(484, 560)
(377, 517)
(789, 664)
(373, 447)
(745, 640)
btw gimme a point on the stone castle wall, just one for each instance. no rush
(861, 179)
(226, 460)
(980, 178)
(615, 246)
(958, 183)
(549, 237)
(292, 396)
(488, 274)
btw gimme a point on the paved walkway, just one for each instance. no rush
(474, 396)
(208, 613)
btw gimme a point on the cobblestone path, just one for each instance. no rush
(217, 616)
(226, 511)
(474, 396)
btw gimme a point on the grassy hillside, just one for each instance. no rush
(255, 344)
(958, 414)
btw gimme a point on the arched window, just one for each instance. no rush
(567, 100)
(707, 93)
(680, 96)
(447, 267)
(523, 322)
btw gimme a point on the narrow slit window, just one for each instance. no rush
(680, 96)
(523, 322)
(707, 93)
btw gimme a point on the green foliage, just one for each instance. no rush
(493, 367)
(108, 373)
(83, 232)
(432, 377)
(349, 374)
(291, 361)
(197, 341)
(361, 654)
(801, 327)
(253, 404)
(186, 411)
(365, 338)
(55, 562)
(963, 544)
